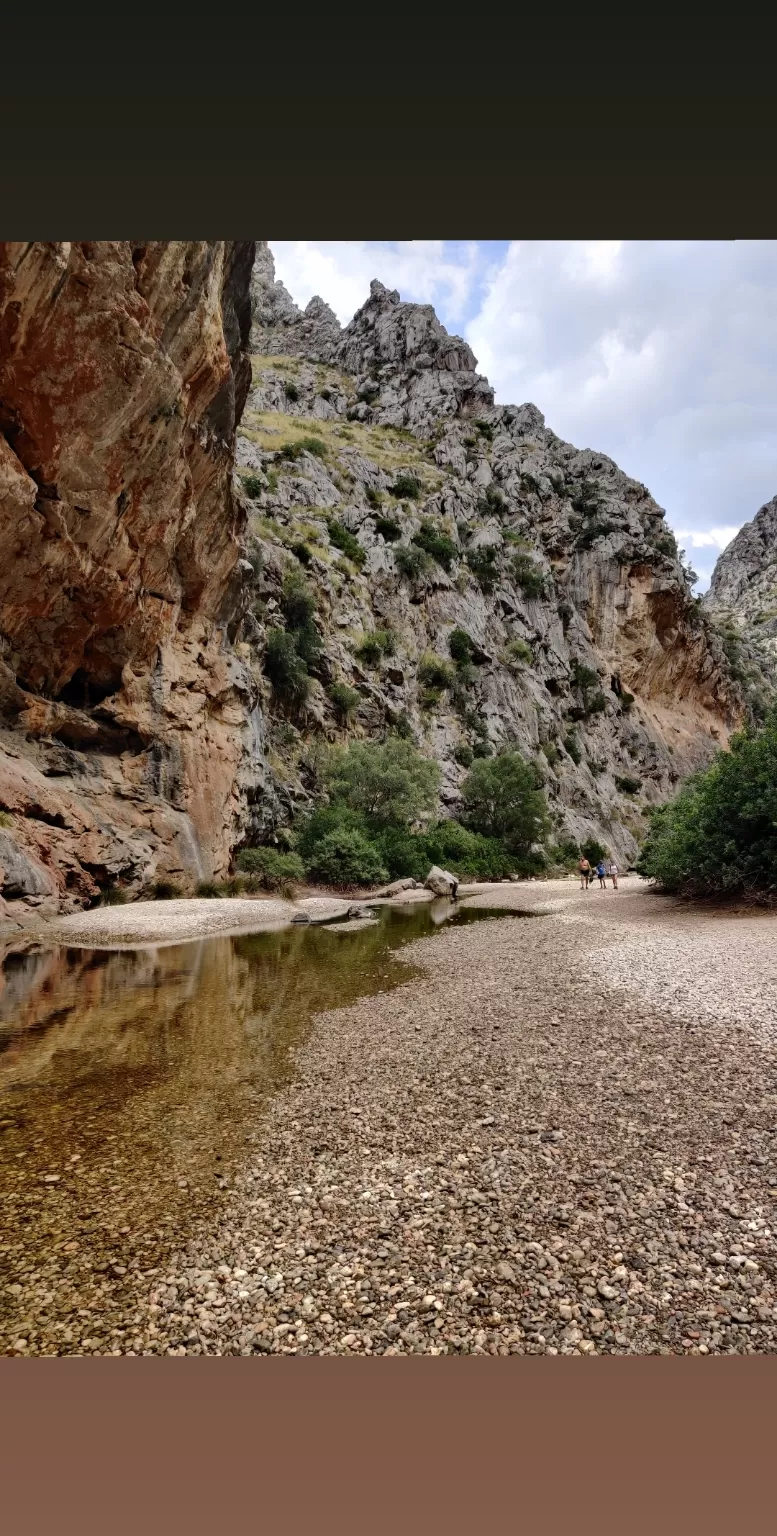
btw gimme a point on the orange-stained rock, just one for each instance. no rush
(122, 376)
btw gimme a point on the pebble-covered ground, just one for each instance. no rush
(545, 1143)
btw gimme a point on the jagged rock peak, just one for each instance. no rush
(279, 325)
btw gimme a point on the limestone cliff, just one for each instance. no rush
(130, 741)
(588, 650)
(742, 601)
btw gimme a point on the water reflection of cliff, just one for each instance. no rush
(134, 1078)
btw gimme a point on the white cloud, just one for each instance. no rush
(713, 538)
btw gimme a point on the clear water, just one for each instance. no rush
(132, 1082)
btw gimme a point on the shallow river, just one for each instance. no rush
(131, 1082)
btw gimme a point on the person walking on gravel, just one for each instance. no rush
(585, 873)
(601, 870)
(614, 874)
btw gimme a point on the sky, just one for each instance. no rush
(661, 354)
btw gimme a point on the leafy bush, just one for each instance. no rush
(565, 612)
(482, 748)
(572, 748)
(380, 643)
(565, 852)
(528, 576)
(486, 429)
(627, 784)
(517, 651)
(211, 888)
(406, 485)
(467, 853)
(403, 852)
(593, 851)
(274, 870)
(433, 672)
(291, 391)
(253, 486)
(387, 781)
(502, 799)
(463, 755)
(303, 554)
(491, 502)
(719, 836)
(482, 563)
(346, 857)
(412, 561)
(343, 539)
(312, 445)
(165, 890)
(460, 645)
(437, 544)
(597, 704)
(550, 751)
(372, 495)
(345, 700)
(285, 668)
(388, 528)
(113, 896)
(583, 677)
(626, 701)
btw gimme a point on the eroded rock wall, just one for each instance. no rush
(131, 743)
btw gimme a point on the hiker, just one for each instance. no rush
(601, 870)
(614, 874)
(585, 873)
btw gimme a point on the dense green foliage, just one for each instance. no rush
(528, 576)
(388, 528)
(460, 645)
(482, 563)
(389, 781)
(381, 642)
(275, 871)
(345, 856)
(285, 668)
(406, 485)
(719, 836)
(503, 799)
(344, 699)
(253, 486)
(437, 544)
(412, 561)
(343, 539)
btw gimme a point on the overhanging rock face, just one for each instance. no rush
(127, 714)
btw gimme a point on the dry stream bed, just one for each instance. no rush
(552, 1135)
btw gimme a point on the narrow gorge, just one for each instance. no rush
(177, 436)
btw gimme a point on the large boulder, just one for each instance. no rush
(441, 882)
(397, 887)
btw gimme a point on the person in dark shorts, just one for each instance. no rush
(601, 870)
(585, 873)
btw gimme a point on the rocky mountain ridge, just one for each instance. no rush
(742, 600)
(366, 447)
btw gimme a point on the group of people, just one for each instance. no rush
(600, 870)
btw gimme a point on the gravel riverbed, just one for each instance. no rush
(545, 1142)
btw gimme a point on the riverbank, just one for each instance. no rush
(178, 921)
(522, 1149)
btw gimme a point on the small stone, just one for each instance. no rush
(607, 1291)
